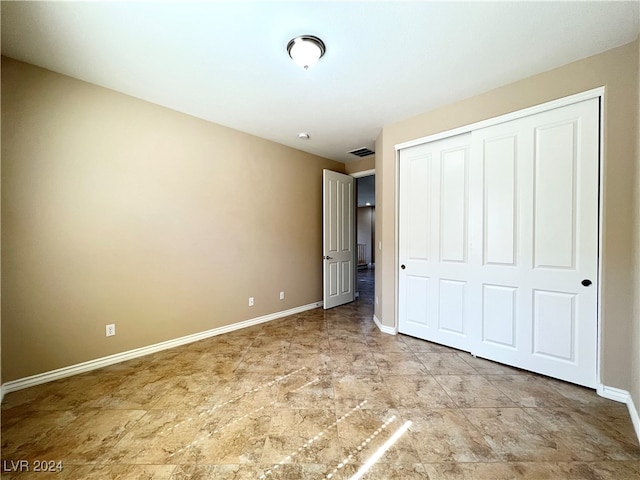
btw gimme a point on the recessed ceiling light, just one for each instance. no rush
(303, 136)
(306, 50)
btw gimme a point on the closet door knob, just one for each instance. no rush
(586, 282)
(402, 267)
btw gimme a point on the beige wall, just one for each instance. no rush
(365, 229)
(617, 70)
(367, 163)
(635, 342)
(115, 210)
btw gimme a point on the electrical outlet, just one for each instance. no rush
(281, 295)
(251, 301)
(111, 330)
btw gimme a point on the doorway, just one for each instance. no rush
(365, 236)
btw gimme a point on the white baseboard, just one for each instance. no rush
(64, 372)
(384, 328)
(622, 396)
(613, 393)
(635, 418)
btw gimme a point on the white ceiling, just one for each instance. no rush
(227, 62)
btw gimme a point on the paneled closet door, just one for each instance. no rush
(434, 241)
(536, 213)
(524, 288)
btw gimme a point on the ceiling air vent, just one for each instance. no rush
(362, 152)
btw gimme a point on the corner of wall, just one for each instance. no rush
(1, 389)
(380, 267)
(635, 361)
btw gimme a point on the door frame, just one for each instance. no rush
(598, 93)
(363, 173)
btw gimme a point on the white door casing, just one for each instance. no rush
(506, 257)
(338, 245)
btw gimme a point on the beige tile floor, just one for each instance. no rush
(314, 396)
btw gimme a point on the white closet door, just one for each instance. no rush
(527, 293)
(434, 238)
(536, 211)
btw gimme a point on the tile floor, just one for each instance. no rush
(314, 396)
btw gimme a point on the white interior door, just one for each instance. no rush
(338, 245)
(526, 293)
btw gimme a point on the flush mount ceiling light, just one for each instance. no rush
(306, 50)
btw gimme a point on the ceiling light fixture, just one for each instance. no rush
(306, 50)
